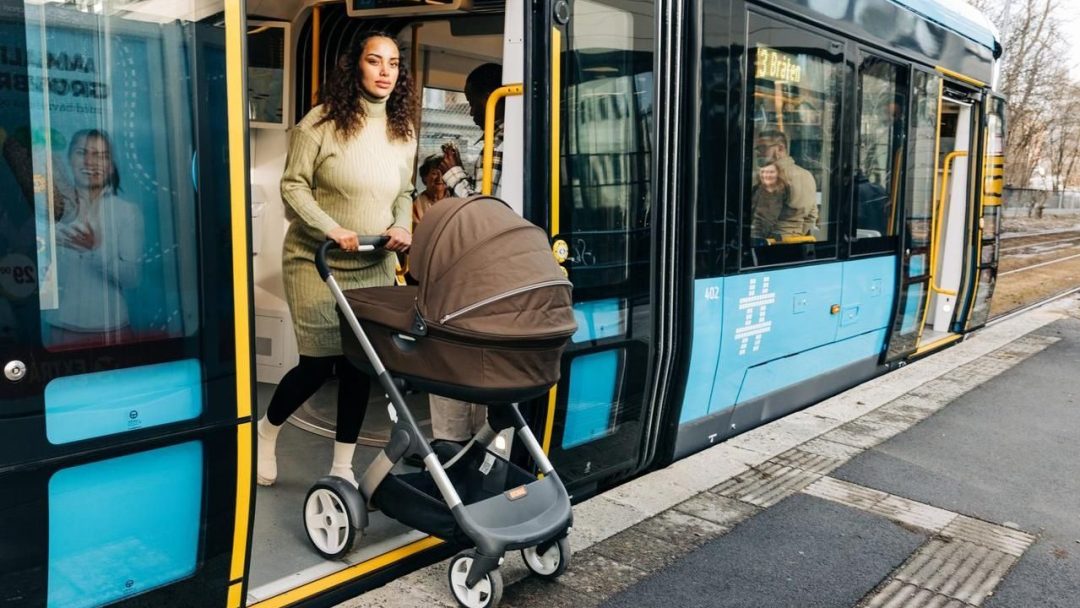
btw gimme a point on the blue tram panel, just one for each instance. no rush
(760, 333)
(116, 401)
(123, 526)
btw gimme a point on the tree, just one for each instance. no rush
(1035, 78)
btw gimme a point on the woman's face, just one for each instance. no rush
(435, 185)
(379, 66)
(768, 175)
(91, 163)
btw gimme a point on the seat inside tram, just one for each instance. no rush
(440, 50)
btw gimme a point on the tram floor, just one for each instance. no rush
(282, 558)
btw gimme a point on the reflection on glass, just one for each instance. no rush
(267, 55)
(883, 87)
(607, 144)
(923, 141)
(796, 99)
(103, 157)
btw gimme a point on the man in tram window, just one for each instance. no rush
(479, 85)
(800, 215)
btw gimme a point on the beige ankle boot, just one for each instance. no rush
(266, 460)
(342, 465)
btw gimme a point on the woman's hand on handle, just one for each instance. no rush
(400, 239)
(345, 238)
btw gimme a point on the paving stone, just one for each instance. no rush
(720, 510)
(538, 593)
(642, 551)
(598, 576)
(678, 528)
(798, 458)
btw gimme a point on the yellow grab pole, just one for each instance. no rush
(489, 130)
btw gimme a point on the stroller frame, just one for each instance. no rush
(489, 523)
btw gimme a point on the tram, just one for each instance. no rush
(140, 344)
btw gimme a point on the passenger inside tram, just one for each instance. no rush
(440, 52)
(770, 198)
(799, 216)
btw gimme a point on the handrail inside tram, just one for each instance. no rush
(939, 221)
(489, 130)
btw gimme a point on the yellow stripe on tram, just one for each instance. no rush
(234, 85)
(556, 100)
(960, 77)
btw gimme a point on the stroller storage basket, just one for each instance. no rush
(485, 482)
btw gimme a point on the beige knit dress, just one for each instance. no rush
(363, 184)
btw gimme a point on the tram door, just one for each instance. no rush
(601, 204)
(993, 178)
(119, 426)
(936, 216)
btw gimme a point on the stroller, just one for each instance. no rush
(487, 323)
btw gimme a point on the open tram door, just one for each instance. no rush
(990, 206)
(936, 216)
(125, 435)
(608, 227)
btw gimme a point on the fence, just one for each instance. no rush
(1035, 203)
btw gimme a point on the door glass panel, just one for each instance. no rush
(880, 158)
(607, 145)
(917, 217)
(605, 177)
(993, 178)
(109, 136)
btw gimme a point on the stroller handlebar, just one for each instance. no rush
(367, 243)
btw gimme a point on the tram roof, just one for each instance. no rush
(957, 16)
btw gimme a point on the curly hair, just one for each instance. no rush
(343, 90)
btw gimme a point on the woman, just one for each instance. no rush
(99, 239)
(768, 199)
(348, 172)
(434, 187)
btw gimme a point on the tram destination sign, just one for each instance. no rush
(773, 65)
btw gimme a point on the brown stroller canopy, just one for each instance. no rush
(485, 271)
(491, 316)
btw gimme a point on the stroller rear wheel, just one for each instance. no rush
(549, 561)
(332, 526)
(484, 594)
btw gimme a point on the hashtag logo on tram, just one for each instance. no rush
(758, 302)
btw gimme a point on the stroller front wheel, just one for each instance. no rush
(549, 563)
(484, 594)
(330, 524)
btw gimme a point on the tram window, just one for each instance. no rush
(444, 117)
(607, 110)
(793, 134)
(880, 154)
(923, 143)
(105, 162)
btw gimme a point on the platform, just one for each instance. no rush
(950, 482)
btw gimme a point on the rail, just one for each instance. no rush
(939, 221)
(489, 131)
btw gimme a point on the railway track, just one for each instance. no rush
(1040, 242)
(1036, 269)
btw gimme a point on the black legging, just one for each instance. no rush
(303, 380)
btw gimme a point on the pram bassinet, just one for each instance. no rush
(490, 317)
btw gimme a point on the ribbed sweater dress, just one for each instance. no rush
(363, 184)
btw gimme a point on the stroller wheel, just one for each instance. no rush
(552, 562)
(331, 526)
(485, 594)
